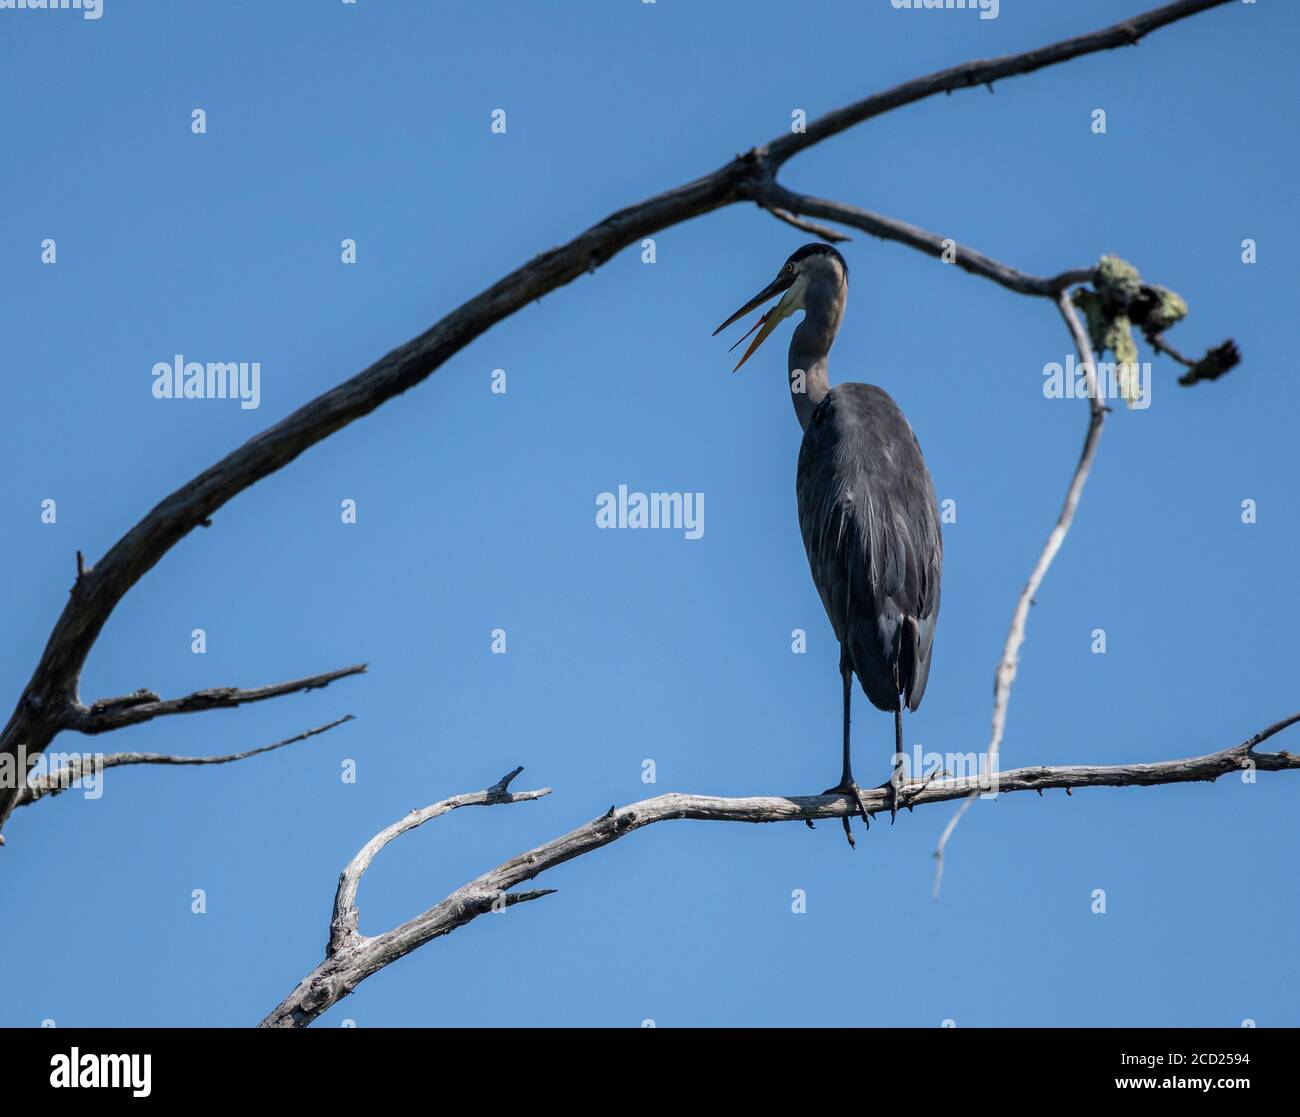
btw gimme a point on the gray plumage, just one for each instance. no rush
(867, 509)
(871, 529)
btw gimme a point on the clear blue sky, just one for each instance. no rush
(476, 511)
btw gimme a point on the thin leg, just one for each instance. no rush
(846, 674)
(847, 784)
(915, 785)
(897, 773)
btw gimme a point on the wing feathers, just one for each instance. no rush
(870, 526)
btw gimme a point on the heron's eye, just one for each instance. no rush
(789, 267)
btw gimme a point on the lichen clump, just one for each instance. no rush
(1117, 301)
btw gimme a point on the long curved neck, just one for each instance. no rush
(809, 349)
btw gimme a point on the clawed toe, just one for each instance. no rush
(895, 801)
(855, 793)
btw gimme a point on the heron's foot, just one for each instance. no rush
(906, 795)
(893, 798)
(855, 793)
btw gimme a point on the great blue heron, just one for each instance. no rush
(866, 505)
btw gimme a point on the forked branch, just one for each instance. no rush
(49, 702)
(344, 923)
(352, 957)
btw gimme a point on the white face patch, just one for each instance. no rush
(792, 300)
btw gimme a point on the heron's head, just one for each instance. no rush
(815, 274)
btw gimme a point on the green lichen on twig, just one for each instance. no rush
(1118, 302)
(1158, 308)
(1106, 310)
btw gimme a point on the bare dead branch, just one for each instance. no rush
(1214, 364)
(63, 778)
(116, 713)
(1006, 670)
(50, 697)
(353, 958)
(824, 231)
(971, 74)
(777, 199)
(344, 922)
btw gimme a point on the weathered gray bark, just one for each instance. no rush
(352, 957)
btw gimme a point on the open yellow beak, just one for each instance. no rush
(768, 322)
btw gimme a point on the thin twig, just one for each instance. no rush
(1006, 670)
(834, 236)
(63, 778)
(777, 200)
(1217, 361)
(115, 713)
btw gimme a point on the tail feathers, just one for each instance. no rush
(909, 654)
